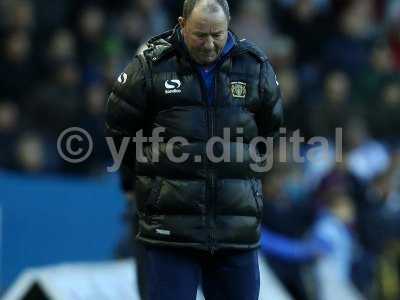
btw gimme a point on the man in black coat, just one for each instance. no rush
(199, 201)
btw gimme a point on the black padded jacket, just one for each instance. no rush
(201, 202)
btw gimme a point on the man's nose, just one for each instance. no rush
(209, 43)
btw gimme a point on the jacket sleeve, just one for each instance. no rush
(125, 115)
(270, 117)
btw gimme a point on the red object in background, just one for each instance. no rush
(395, 47)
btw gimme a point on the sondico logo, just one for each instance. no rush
(122, 78)
(172, 86)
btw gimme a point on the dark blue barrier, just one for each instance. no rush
(47, 220)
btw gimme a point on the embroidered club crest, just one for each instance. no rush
(238, 89)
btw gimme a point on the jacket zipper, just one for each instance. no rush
(210, 172)
(210, 182)
(212, 188)
(208, 189)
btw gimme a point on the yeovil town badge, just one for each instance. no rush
(238, 89)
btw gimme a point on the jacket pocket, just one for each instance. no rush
(257, 195)
(153, 200)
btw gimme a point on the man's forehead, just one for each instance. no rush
(204, 21)
(204, 26)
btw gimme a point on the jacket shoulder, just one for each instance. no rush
(158, 47)
(246, 46)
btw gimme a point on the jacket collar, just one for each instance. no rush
(175, 39)
(172, 40)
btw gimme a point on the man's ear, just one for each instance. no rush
(182, 22)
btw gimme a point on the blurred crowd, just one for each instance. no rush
(338, 65)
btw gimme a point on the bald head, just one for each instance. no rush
(210, 6)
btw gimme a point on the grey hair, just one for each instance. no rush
(189, 5)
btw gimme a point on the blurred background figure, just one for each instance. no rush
(329, 226)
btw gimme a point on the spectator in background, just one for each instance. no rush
(253, 22)
(340, 175)
(334, 108)
(287, 216)
(156, 17)
(375, 74)
(366, 157)
(383, 115)
(92, 120)
(132, 24)
(56, 101)
(294, 102)
(62, 47)
(333, 269)
(9, 130)
(31, 153)
(143, 14)
(348, 49)
(281, 51)
(17, 15)
(17, 69)
(380, 215)
(91, 36)
(379, 231)
(309, 23)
